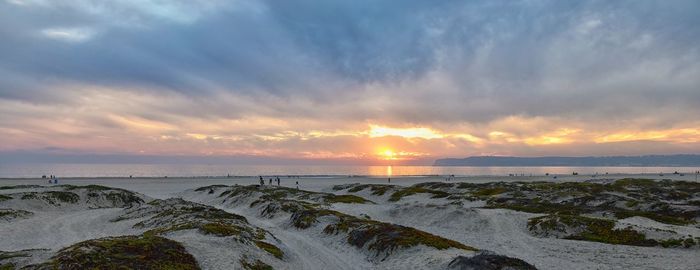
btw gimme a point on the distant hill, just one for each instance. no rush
(612, 161)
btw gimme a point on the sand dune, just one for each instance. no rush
(334, 223)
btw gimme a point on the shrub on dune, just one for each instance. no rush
(126, 252)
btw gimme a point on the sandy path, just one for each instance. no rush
(307, 252)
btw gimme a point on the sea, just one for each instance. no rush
(19, 170)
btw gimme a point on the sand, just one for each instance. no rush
(498, 230)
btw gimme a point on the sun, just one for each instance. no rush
(388, 154)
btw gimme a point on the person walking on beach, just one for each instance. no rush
(278, 181)
(297, 184)
(262, 182)
(270, 181)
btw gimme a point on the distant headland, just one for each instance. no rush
(603, 161)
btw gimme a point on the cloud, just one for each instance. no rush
(69, 34)
(292, 77)
(415, 132)
(132, 12)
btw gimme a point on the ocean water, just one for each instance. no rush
(195, 170)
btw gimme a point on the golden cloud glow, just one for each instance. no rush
(559, 136)
(319, 134)
(685, 135)
(123, 128)
(500, 136)
(386, 153)
(467, 137)
(197, 136)
(141, 124)
(330, 155)
(421, 132)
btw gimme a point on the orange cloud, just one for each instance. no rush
(105, 121)
(416, 132)
(559, 136)
(684, 135)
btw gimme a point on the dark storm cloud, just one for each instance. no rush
(428, 61)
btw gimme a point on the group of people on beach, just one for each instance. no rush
(52, 179)
(276, 179)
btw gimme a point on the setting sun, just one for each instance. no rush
(388, 154)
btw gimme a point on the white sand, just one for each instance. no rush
(501, 231)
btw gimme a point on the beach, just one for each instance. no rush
(162, 187)
(470, 222)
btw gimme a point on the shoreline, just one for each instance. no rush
(553, 177)
(91, 171)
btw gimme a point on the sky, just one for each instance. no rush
(363, 81)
